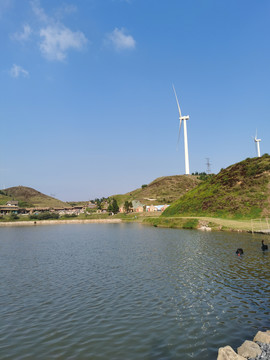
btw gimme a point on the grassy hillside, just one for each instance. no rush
(241, 190)
(163, 190)
(29, 197)
(4, 198)
(77, 203)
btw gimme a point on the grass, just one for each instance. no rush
(219, 224)
(29, 197)
(239, 192)
(191, 224)
(80, 217)
(4, 199)
(164, 190)
(180, 222)
(174, 222)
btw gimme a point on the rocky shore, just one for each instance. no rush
(258, 349)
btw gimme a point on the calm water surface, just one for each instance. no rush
(124, 291)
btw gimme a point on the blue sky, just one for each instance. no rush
(87, 107)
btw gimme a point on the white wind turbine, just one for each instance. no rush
(184, 119)
(257, 141)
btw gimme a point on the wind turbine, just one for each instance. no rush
(184, 119)
(257, 141)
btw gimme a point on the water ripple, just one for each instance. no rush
(128, 292)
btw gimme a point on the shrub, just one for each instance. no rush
(13, 217)
(70, 216)
(25, 204)
(190, 224)
(45, 216)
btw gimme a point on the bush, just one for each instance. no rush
(13, 217)
(45, 216)
(70, 216)
(89, 210)
(191, 224)
(25, 204)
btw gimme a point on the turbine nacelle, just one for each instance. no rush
(257, 140)
(184, 117)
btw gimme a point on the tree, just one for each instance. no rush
(127, 206)
(114, 207)
(98, 203)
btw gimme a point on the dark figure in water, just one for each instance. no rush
(239, 252)
(264, 247)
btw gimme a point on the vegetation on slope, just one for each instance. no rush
(4, 198)
(241, 190)
(29, 197)
(163, 190)
(77, 203)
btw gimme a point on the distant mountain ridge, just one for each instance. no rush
(162, 190)
(241, 190)
(29, 197)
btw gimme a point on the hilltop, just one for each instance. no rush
(29, 197)
(163, 190)
(241, 190)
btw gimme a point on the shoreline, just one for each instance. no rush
(258, 349)
(211, 224)
(201, 223)
(54, 222)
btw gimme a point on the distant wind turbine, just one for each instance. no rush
(184, 119)
(257, 142)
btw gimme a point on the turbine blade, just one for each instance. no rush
(180, 123)
(177, 102)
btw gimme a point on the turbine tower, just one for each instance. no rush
(184, 119)
(257, 141)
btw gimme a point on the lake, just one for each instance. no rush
(127, 291)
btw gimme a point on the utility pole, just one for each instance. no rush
(208, 166)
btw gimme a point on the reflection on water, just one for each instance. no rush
(119, 291)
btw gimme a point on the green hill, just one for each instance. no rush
(29, 197)
(241, 190)
(163, 190)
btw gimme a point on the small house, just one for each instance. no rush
(13, 203)
(137, 206)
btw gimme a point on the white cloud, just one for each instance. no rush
(24, 35)
(58, 39)
(38, 11)
(67, 9)
(120, 40)
(54, 38)
(17, 70)
(70, 8)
